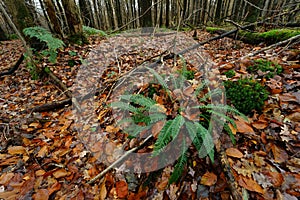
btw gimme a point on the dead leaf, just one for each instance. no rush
(41, 194)
(234, 152)
(208, 179)
(103, 191)
(243, 127)
(250, 184)
(43, 152)
(157, 128)
(280, 154)
(5, 178)
(122, 189)
(60, 173)
(275, 178)
(14, 150)
(260, 124)
(295, 116)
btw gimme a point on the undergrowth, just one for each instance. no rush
(144, 112)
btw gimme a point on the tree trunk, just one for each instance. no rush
(54, 23)
(74, 21)
(114, 15)
(86, 12)
(19, 13)
(144, 7)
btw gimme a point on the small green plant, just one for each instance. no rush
(269, 67)
(43, 35)
(92, 31)
(246, 94)
(144, 112)
(13, 36)
(230, 73)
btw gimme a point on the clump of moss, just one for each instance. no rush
(269, 67)
(246, 94)
(230, 73)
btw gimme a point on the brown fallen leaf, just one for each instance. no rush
(14, 150)
(121, 189)
(208, 179)
(250, 184)
(43, 152)
(234, 152)
(275, 177)
(41, 194)
(243, 127)
(60, 173)
(260, 124)
(5, 178)
(280, 155)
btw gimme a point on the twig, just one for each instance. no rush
(119, 160)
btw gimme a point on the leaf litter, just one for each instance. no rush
(40, 155)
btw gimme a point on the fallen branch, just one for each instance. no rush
(119, 160)
(51, 106)
(264, 49)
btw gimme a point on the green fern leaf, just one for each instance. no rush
(192, 130)
(124, 106)
(181, 163)
(164, 138)
(159, 78)
(230, 133)
(207, 140)
(155, 117)
(142, 100)
(176, 126)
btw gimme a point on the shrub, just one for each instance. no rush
(246, 94)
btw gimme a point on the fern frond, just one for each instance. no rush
(176, 126)
(221, 116)
(230, 133)
(181, 163)
(164, 138)
(169, 132)
(159, 78)
(124, 106)
(207, 140)
(192, 130)
(142, 100)
(211, 94)
(155, 117)
(201, 87)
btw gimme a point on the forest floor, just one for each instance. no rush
(48, 155)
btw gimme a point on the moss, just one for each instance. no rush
(246, 94)
(213, 30)
(230, 73)
(269, 37)
(269, 67)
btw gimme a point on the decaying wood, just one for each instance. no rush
(52, 105)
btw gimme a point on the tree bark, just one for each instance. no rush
(74, 20)
(54, 23)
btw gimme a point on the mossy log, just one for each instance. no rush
(269, 37)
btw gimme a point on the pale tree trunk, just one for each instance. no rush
(136, 12)
(153, 12)
(96, 14)
(55, 25)
(62, 16)
(123, 12)
(46, 16)
(230, 8)
(106, 20)
(130, 14)
(158, 13)
(170, 13)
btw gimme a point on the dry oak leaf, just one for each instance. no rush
(250, 184)
(5, 178)
(121, 189)
(234, 152)
(208, 179)
(275, 178)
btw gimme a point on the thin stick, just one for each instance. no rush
(119, 160)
